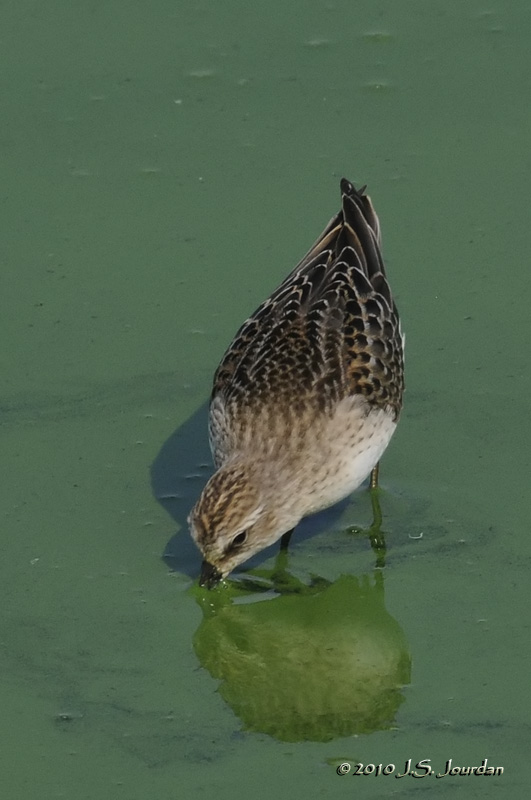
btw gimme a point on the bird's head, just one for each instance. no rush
(231, 522)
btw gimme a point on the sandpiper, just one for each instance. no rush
(306, 397)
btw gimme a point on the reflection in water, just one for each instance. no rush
(315, 662)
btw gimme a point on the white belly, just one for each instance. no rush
(351, 451)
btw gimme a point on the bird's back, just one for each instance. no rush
(329, 331)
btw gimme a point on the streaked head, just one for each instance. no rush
(231, 522)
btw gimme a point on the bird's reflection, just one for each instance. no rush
(310, 661)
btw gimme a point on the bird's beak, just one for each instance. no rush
(210, 575)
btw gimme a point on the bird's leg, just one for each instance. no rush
(376, 535)
(279, 575)
(283, 581)
(284, 542)
(374, 531)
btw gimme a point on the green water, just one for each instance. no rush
(164, 166)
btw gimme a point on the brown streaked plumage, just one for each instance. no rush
(306, 397)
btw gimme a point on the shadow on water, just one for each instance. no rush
(178, 474)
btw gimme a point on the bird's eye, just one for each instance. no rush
(239, 539)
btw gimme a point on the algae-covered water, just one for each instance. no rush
(164, 166)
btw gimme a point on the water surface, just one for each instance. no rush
(164, 167)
